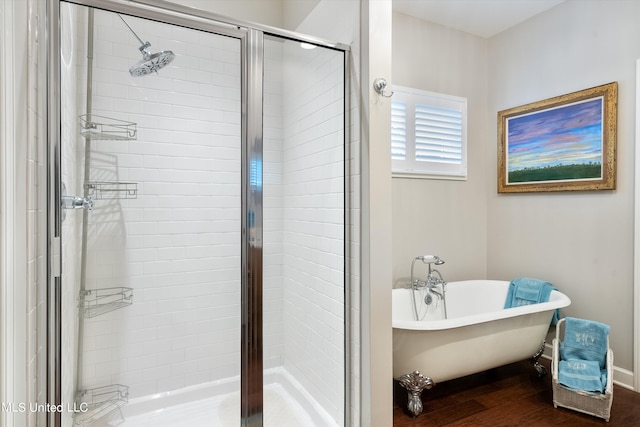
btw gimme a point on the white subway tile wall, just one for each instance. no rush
(178, 243)
(273, 215)
(313, 197)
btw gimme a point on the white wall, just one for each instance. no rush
(266, 12)
(441, 217)
(18, 212)
(376, 215)
(23, 215)
(297, 11)
(37, 238)
(581, 242)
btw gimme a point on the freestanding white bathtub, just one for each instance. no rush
(478, 334)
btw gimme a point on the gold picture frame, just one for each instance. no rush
(566, 143)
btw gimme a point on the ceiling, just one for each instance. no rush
(484, 18)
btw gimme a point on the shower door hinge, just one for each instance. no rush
(56, 259)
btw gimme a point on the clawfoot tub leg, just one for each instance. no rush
(414, 383)
(542, 371)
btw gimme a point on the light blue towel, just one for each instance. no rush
(583, 375)
(585, 340)
(525, 291)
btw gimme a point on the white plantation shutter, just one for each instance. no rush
(438, 134)
(398, 130)
(428, 134)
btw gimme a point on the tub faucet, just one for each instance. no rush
(434, 278)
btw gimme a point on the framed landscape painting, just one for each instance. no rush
(566, 143)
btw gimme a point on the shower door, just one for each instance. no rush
(304, 244)
(151, 283)
(200, 204)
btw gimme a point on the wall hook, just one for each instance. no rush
(380, 85)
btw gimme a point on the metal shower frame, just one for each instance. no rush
(251, 37)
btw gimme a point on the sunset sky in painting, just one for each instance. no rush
(570, 134)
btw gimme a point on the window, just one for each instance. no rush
(428, 134)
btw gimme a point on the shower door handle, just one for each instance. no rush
(74, 202)
(77, 202)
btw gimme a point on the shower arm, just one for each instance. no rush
(144, 44)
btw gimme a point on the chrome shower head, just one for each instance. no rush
(151, 62)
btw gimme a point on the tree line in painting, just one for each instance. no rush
(557, 173)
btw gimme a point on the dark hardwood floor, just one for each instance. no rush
(511, 395)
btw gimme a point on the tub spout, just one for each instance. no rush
(436, 293)
(433, 280)
(415, 383)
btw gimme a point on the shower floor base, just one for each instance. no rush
(284, 406)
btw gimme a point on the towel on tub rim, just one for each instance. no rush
(527, 290)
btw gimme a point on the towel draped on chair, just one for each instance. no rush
(583, 375)
(583, 354)
(585, 340)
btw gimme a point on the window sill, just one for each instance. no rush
(421, 175)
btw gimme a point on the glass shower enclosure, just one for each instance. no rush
(198, 220)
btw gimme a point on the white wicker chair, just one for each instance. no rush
(598, 405)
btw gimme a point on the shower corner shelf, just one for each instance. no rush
(97, 403)
(94, 302)
(105, 128)
(112, 190)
